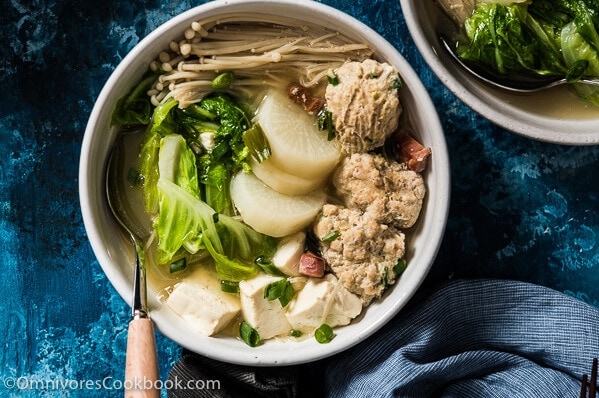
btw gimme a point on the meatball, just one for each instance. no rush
(385, 188)
(364, 104)
(364, 252)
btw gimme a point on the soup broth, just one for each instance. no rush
(189, 83)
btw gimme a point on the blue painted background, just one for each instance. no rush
(520, 209)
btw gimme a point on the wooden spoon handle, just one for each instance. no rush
(141, 370)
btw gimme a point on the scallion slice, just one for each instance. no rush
(324, 334)
(281, 290)
(248, 334)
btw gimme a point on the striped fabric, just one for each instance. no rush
(477, 338)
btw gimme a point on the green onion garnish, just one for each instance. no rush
(296, 333)
(331, 236)
(223, 80)
(248, 334)
(324, 334)
(333, 79)
(281, 290)
(229, 286)
(267, 266)
(178, 265)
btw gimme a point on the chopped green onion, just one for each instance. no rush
(325, 123)
(223, 80)
(324, 334)
(281, 290)
(248, 334)
(331, 236)
(256, 142)
(400, 267)
(333, 79)
(296, 333)
(267, 266)
(229, 286)
(396, 83)
(134, 177)
(178, 265)
(373, 75)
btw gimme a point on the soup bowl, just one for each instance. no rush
(556, 115)
(114, 253)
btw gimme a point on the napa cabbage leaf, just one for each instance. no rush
(557, 37)
(184, 220)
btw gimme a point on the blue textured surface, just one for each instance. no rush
(520, 209)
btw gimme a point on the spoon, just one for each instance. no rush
(516, 82)
(141, 369)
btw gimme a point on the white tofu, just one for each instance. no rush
(323, 300)
(346, 307)
(267, 317)
(288, 254)
(202, 303)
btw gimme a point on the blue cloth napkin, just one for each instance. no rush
(466, 338)
(480, 338)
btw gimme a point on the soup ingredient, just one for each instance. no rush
(364, 254)
(264, 315)
(323, 300)
(324, 334)
(261, 51)
(202, 303)
(457, 10)
(248, 334)
(385, 189)
(134, 109)
(270, 212)
(298, 147)
(303, 97)
(289, 251)
(280, 290)
(215, 129)
(311, 265)
(411, 152)
(364, 105)
(183, 220)
(283, 182)
(576, 49)
(541, 37)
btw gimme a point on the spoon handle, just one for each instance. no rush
(141, 371)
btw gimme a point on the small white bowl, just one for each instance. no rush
(114, 253)
(556, 115)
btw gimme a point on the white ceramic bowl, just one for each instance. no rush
(556, 116)
(114, 253)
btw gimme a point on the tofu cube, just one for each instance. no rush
(323, 300)
(288, 254)
(267, 317)
(346, 306)
(202, 303)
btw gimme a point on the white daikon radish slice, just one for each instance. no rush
(283, 182)
(297, 145)
(271, 212)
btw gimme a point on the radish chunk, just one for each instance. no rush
(281, 181)
(270, 212)
(298, 147)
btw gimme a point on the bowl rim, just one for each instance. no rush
(567, 132)
(109, 256)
